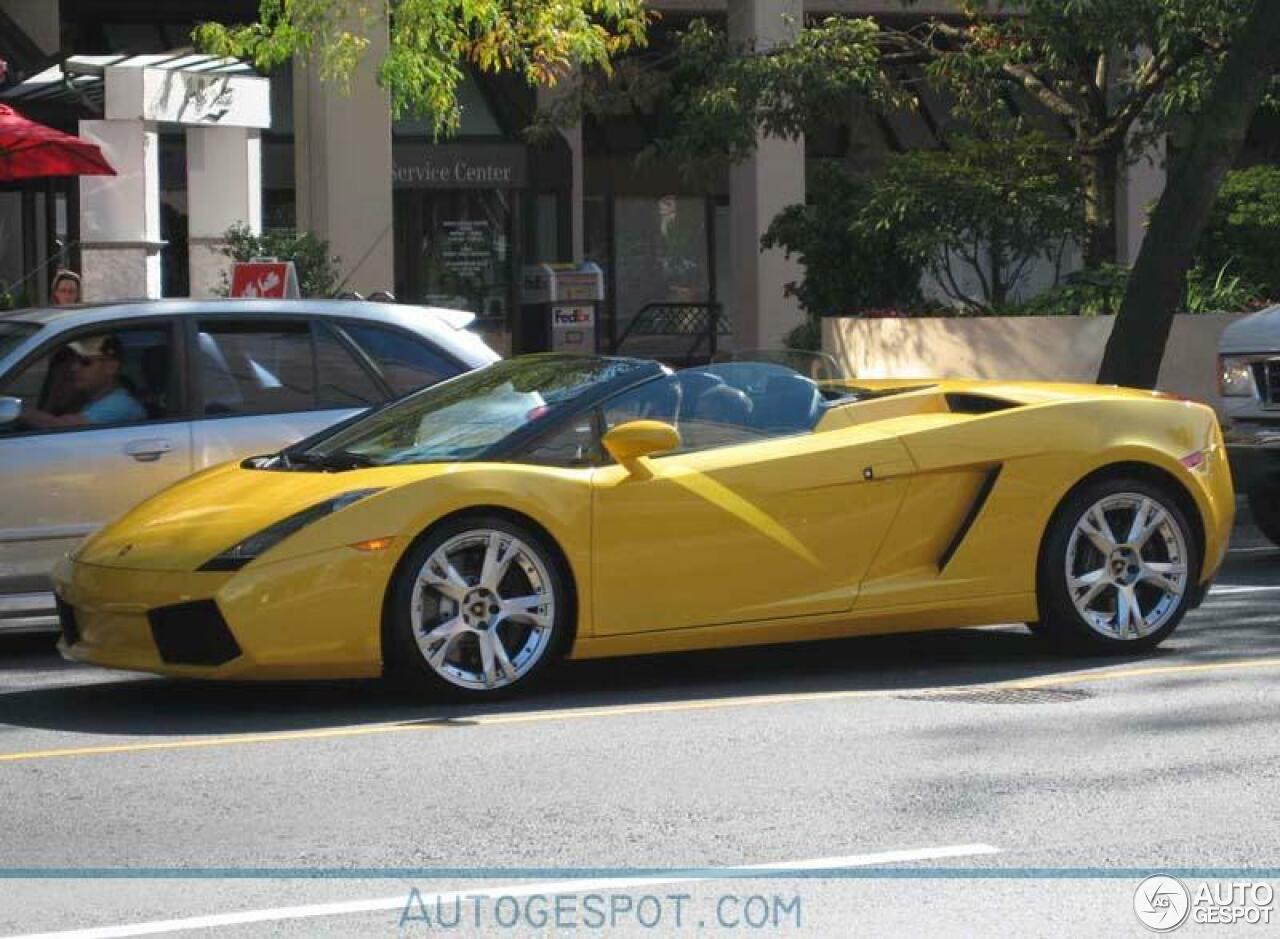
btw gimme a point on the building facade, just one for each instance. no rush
(447, 223)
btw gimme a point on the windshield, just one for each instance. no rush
(13, 333)
(467, 416)
(816, 365)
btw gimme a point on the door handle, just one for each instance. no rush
(149, 450)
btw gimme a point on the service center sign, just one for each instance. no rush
(268, 280)
(459, 166)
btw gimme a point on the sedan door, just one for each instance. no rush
(63, 483)
(755, 527)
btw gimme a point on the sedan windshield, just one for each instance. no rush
(12, 333)
(468, 416)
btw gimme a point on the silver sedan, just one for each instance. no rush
(101, 406)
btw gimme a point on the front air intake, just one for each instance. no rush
(192, 634)
(67, 622)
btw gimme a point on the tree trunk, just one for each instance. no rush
(999, 288)
(1158, 282)
(1101, 170)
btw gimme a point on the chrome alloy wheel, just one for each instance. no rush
(1127, 566)
(483, 609)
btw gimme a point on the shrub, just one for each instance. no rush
(847, 269)
(991, 207)
(1099, 292)
(1244, 230)
(1095, 292)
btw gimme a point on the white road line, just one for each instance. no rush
(1227, 590)
(399, 902)
(1260, 549)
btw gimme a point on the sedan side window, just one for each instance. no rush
(343, 381)
(120, 376)
(249, 367)
(406, 363)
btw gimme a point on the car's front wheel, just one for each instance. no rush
(481, 608)
(1118, 569)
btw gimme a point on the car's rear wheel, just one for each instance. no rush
(1265, 507)
(1118, 570)
(481, 608)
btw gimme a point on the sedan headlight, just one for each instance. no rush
(1236, 377)
(238, 555)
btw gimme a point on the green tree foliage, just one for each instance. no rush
(1110, 71)
(1103, 73)
(433, 42)
(719, 94)
(850, 266)
(702, 98)
(1243, 234)
(1136, 345)
(317, 270)
(988, 207)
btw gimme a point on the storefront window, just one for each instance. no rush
(545, 231)
(660, 244)
(10, 244)
(175, 273)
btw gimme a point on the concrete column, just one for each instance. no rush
(342, 145)
(224, 188)
(577, 195)
(759, 188)
(120, 215)
(1141, 184)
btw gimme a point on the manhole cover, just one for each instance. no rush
(1006, 696)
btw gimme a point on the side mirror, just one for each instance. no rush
(629, 443)
(10, 410)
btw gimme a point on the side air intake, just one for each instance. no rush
(975, 509)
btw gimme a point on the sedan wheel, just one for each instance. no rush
(484, 603)
(1119, 568)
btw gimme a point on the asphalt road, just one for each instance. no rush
(963, 782)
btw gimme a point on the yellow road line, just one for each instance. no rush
(667, 707)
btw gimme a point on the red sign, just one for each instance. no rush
(272, 280)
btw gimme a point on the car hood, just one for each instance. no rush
(1257, 333)
(186, 525)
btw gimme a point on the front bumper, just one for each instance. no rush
(317, 616)
(1253, 447)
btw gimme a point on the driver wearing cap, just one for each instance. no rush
(95, 373)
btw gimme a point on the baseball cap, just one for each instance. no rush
(96, 346)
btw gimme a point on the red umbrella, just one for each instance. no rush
(29, 150)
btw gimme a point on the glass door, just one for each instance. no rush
(454, 249)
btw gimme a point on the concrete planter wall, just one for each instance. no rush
(1050, 348)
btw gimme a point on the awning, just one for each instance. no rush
(81, 79)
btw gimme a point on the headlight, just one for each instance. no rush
(1236, 377)
(238, 555)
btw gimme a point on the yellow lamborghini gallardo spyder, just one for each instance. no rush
(469, 535)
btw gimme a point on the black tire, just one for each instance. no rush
(1265, 507)
(405, 661)
(1061, 622)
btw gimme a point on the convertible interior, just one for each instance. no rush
(771, 401)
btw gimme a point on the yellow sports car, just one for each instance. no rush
(469, 535)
